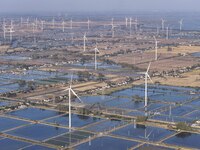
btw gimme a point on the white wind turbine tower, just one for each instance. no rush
(157, 31)
(72, 38)
(4, 29)
(113, 30)
(63, 26)
(53, 23)
(88, 23)
(156, 48)
(181, 24)
(84, 41)
(95, 57)
(146, 87)
(130, 25)
(167, 33)
(71, 24)
(163, 24)
(33, 28)
(42, 25)
(112, 22)
(136, 24)
(21, 21)
(70, 92)
(126, 19)
(11, 30)
(27, 22)
(36, 23)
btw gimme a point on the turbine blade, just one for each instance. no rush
(149, 134)
(76, 96)
(148, 67)
(149, 77)
(66, 89)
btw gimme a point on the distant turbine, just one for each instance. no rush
(21, 21)
(113, 30)
(112, 22)
(11, 30)
(63, 26)
(157, 32)
(84, 41)
(156, 48)
(136, 24)
(33, 28)
(27, 22)
(88, 23)
(4, 29)
(53, 23)
(95, 57)
(36, 23)
(167, 33)
(181, 24)
(126, 19)
(130, 25)
(163, 24)
(72, 37)
(71, 24)
(42, 25)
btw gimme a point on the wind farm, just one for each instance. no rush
(98, 80)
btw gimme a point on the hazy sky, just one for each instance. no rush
(97, 5)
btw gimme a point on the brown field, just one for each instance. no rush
(191, 79)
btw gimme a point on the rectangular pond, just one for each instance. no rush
(185, 139)
(153, 147)
(10, 144)
(69, 138)
(38, 132)
(32, 113)
(77, 120)
(142, 132)
(105, 125)
(168, 118)
(9, 123)
(107, 143)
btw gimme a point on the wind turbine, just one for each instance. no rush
(180, 23)
(71, 24)
(21, 21)
(126, 19)
(130, 25)
(95, 57)
(136, 24)
(53, 23)
(72, 37)
(4, 29)
(156, 48)
(167, 33)
(36, 23)
(42, 25)
(27, 22)
(84, 40)
(113, 31)
(157, 31)
(70, 92)
(146, 87)
(11, 30)
(163, 24)
(33, 28)
(112, 22)
(88, 23)
(63, 26)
